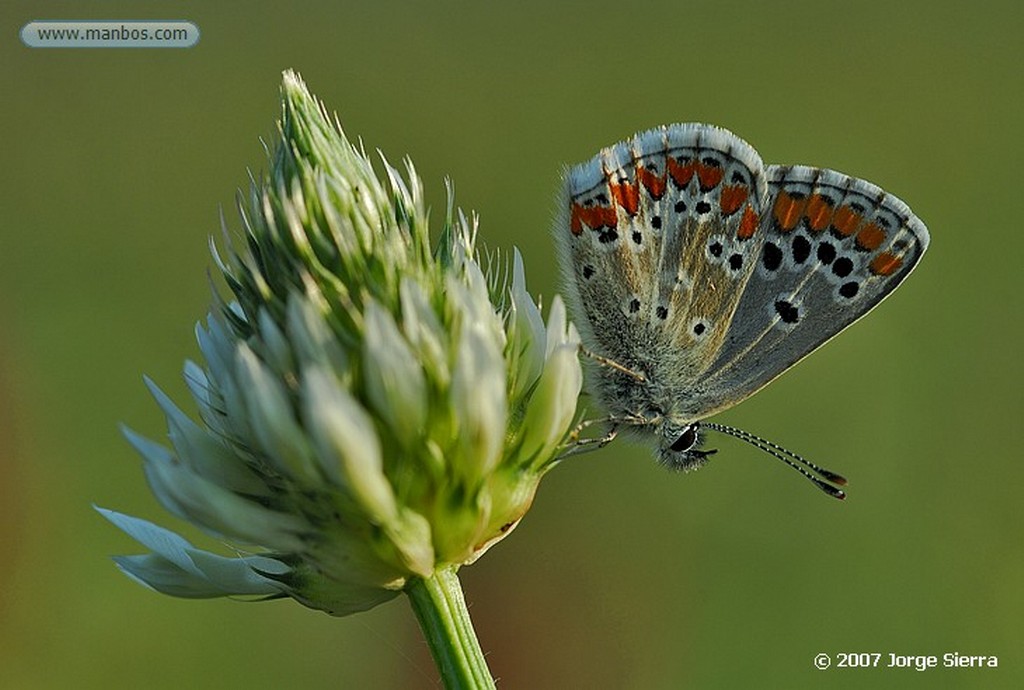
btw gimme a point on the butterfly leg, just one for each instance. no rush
(574, 435)
(611, 363)
(577, 445)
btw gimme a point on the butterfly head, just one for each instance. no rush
(680, 446)
(681, 449)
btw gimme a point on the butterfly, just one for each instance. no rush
(696, 275)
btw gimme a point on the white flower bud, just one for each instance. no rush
(374, 409)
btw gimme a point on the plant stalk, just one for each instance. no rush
(441, 611)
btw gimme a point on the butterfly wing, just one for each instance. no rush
(835, 246)
(657, 237)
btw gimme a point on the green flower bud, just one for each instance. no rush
(373, 407)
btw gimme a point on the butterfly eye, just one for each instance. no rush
(686, 440)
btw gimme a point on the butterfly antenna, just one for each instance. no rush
(798, 463)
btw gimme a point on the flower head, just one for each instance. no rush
(373, 407)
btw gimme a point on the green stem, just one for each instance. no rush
(441, 610)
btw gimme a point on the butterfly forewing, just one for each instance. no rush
(658, 241)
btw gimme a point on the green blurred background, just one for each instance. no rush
(116, 163)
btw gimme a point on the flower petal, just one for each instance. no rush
(478, 396)
(526, 331)
(272, 420)
(161, 575)
(179, 569)
(211, 507)
(311, 337)
(424, 331)
(346, 442)
(552, 407)
(208, 456)
(394, 379)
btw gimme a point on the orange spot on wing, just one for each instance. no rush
(709, 176)
(594, 217)
(748, 224)
(885, 264)
(732, 198)
(654, 184)
(681, 173)
(818, 213)
(846, 220)
(788, 210)
(575, 221)
(627, 195)
(870, 237)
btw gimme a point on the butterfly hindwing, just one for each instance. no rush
(834, 247)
